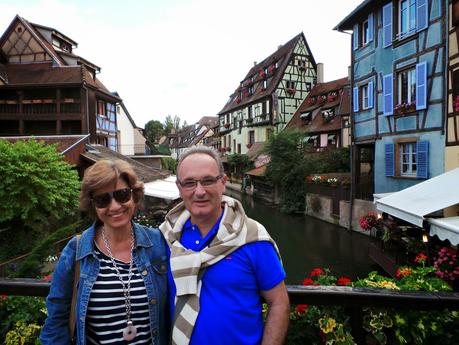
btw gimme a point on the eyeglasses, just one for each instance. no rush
(120, 195)
(205, 182)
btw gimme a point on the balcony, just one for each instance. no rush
(40, 106)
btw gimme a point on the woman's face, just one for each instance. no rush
(116, 208)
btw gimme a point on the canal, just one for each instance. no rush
(306, 242)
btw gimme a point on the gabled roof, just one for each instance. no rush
(282, 56)
(64, 142)
(255, 149)
(340, 105)
(360, 11)
(57, 72)
(55, 32)
(145, 173)
(131, 120)
(192, 134)
(209, 121)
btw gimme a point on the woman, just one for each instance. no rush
(122, 290)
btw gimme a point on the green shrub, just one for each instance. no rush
(16, 312)
(169, 163)
(23, 334)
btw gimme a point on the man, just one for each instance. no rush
(222, 263)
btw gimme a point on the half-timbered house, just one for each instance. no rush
(268, 96)
(398, 84)
(324, 116)
(46, 89)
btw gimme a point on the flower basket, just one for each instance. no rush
(291, 91)
(249, 120)
(226, 125)
(332, 98)
(261, 74)
(272, 69)
(404, 108)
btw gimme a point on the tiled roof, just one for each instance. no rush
(255, 149)
(209, 121)
(63, 142)
(282, 56)
(260, 171)
(144, 172)
(340, 105)
(192, 134)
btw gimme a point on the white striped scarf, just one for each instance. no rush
(187, 266)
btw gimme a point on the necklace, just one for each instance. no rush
(130, 331)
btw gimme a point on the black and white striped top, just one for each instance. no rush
(106, 315)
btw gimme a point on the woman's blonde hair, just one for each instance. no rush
(104, 173)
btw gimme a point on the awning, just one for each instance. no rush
(163, 189)
(413, 204)
(445, 229)
(331, 136)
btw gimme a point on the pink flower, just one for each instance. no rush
(47, 278)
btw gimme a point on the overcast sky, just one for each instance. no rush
(185, 57)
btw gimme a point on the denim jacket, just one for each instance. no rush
(150, 258)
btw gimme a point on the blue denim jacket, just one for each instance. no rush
(150, 257)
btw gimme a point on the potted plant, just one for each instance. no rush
(272, 69)
(261, 74)
(331, 98)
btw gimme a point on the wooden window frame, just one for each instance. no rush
(397, 158)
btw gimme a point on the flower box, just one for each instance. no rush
(272, 69)
(332, 98)
(249, 120)
(291, 91)
(261, 74)
(404, 108)
(248, 82)
(226, 125)
(238, 100)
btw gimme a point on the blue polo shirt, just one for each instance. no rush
(230, 303)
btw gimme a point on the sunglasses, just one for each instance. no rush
(120, 195)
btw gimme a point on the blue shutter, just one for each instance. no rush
(388, 99)
(355, 36)
(387, 25)
(389, 159)
(421, 85)
(370, 94)
(422, 15)
(370, 27)
(355, 99)
(422, 159)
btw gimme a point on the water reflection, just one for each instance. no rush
(306, 242)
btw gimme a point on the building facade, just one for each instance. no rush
(267, 96)
(45, 89)
(398, 84)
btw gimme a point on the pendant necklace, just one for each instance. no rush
(130, 331)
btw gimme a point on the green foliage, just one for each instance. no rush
(153, 131)
(239, 163)
(16, 312)
(32, 265)
(169, 163)
(37, 183)
(288, 169)
(23, 334)
(335, 160)
(172, 123)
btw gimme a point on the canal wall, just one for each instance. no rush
(321, 207)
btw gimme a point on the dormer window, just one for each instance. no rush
(328, 114)
(306, 116)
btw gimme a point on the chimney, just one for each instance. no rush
(254, 63)
(320, 72)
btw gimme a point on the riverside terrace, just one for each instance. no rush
(354, 299)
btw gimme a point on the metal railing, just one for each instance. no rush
(354, 299)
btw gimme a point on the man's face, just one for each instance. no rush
(201, 201)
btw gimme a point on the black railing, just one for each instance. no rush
(354, 299)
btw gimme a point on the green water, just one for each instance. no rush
(306, 242)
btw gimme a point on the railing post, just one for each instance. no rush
(356, 322)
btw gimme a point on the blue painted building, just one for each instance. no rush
(398, 81)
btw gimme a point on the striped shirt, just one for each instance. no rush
(106, 315)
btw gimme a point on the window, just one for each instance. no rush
(269, 132)
(406, 84)
(363, 97)
(411, 16)
(101, 107)
(331, 140)
(407, 158)
(251, 137)
(249, 111)
(250, 90)
(407, 17)
(265, 84)
(239, 148)
(363, 32)
(290, 84)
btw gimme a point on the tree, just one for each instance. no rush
(172, 123)
(288, 169)
(153, 131)
(38, 188)
(239, 163)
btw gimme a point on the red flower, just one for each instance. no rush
(308, 281)
(403, 272)
(3, 298)
(316, 272)
(420, 258)
(301, 308)
(47, 278)
(343, 281)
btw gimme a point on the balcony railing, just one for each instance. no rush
(39, 107)
(354, 299)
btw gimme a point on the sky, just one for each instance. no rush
(186, 57)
